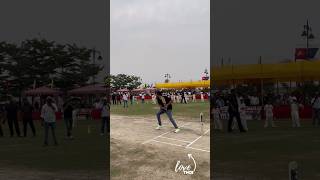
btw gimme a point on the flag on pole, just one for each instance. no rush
(303, 53)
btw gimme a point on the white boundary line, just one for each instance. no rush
(162, 134)
(198, 149)
(197, 139)
(175, 139)
(181, 146)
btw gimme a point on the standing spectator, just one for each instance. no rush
(142, 98)
(68, 110)
(154, 99)
(295, 106)
(125, 100)
(131, 98)
(186, 95)
(315, 103)
(12, 117)
(27, 110)
(202, 97)
(49, 120)
(268, 108)
(194, 97)
(217, 118)
(113, 97)
(105, 115)
(119, 98)
(171, 95)
(233, 109)
(183, 98)
(243, 114)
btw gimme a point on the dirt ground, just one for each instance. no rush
(139, 152)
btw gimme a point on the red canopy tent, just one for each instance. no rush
(89, 90)
(123, 90)
(146, 90)
(96, 89)
(42, 91)
(138, 90)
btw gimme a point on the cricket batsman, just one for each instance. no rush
(165, 104)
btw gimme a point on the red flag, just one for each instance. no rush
(301, 53)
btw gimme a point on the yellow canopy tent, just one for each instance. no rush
(294, 71)
(180, 85)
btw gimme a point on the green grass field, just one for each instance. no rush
(86, 154)
(191, 110)
(265, 153)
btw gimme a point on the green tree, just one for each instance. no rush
(43, 61)
(74, 66)
(122, 81)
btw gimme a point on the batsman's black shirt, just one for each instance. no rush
(167, 99)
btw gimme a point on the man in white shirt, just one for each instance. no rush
(105, 117)
(48, 114)
(295, 106)
(125, 100)
(268, 108)
(243, 116)
(202, 97)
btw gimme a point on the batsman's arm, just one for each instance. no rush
(169, 103)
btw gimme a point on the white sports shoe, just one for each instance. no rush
(177, 130)
(159, 127)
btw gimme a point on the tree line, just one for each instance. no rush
(40, 62)
(123, 81)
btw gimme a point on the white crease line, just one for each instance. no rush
(162, 135)
(168, 143)
(197, 139)
(181, 146)
(175, 139)
(198, 149)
